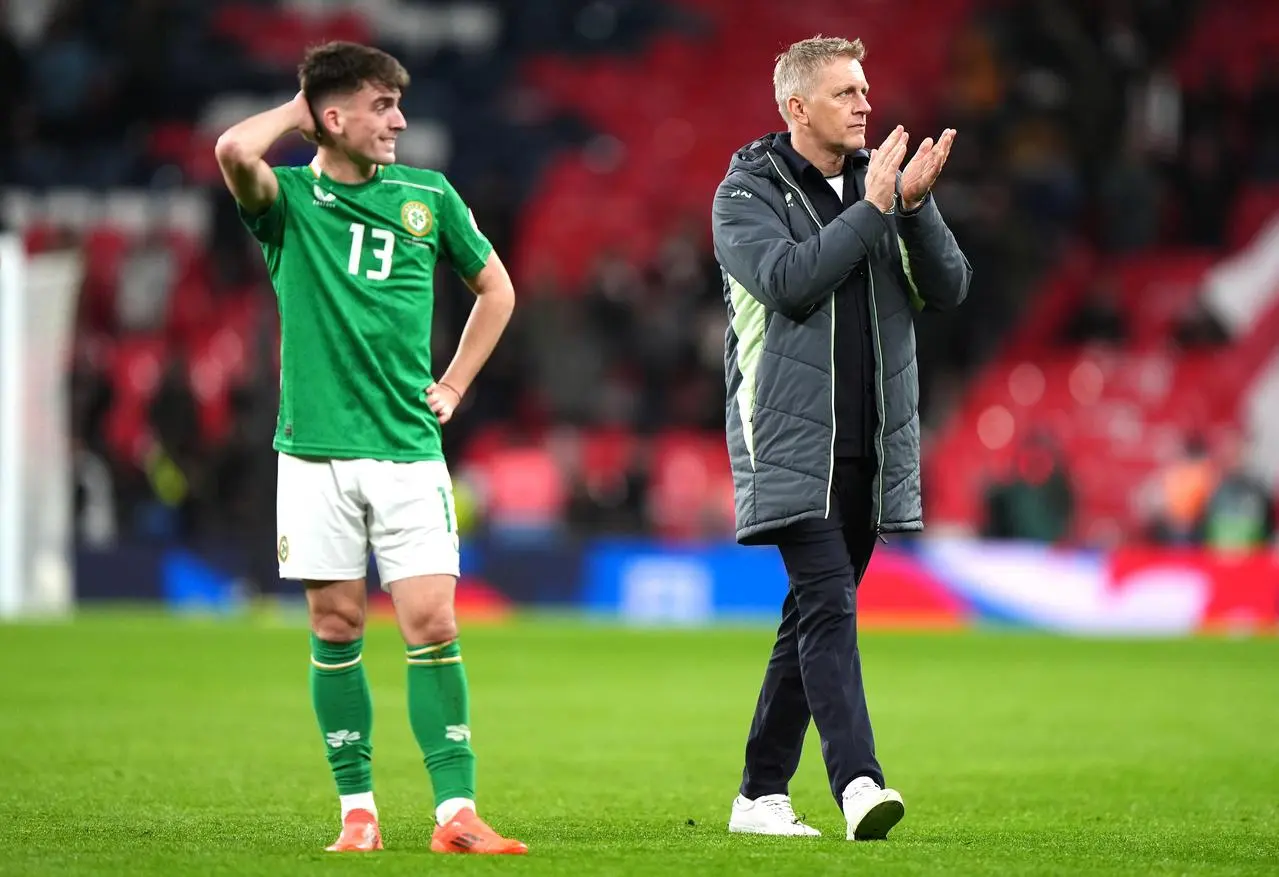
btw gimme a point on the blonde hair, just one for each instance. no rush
(798, 66)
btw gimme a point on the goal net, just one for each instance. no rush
(37, 312)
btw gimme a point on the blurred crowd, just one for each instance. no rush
(1073, 124)
(1205, 496)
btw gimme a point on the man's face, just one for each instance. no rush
(367, 122)
(837, 108)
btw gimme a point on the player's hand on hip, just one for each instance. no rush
(881, 174)
(924, 168)
(443, 400)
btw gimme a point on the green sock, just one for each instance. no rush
(340, 694)
(439, 713)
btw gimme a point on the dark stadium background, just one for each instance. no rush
(1115, 185)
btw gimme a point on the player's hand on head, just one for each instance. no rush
(443, 401)
(306, 118)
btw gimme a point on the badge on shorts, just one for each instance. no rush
(417, 218)
(282, 550)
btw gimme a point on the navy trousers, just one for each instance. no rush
(815, 669)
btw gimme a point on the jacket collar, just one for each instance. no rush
(801, 167)
(753, 157)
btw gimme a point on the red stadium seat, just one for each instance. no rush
(525, 488)
(104, 250)
(606, 455)
(137, 367)
(689, 473)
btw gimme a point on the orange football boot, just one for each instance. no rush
(468, 833)
(360, 834)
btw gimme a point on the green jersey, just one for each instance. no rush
(353, 268)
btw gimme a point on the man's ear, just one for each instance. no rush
(328, 123)
(797, 109)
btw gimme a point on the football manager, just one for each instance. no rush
(826, 251)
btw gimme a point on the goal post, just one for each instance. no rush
(37, 319)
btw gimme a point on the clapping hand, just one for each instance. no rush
(922, 171)
(881, 174)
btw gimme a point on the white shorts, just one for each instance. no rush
(329, 513)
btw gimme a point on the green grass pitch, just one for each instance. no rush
(135, 744)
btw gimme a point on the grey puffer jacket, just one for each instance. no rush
(781, 268)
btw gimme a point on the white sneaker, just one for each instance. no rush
(771, 814)
(871, 811)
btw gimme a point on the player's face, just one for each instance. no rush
(370, 121)
(837, 108)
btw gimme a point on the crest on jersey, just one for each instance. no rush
(417, 218)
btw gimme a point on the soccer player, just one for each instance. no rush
(351, 242)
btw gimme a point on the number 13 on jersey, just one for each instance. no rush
(382, 253)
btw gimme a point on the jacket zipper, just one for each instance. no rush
(880, 407)
(830, 475)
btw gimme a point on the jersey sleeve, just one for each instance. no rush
(268, 226)
(466, 246)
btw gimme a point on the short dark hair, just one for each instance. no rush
(342, 68)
